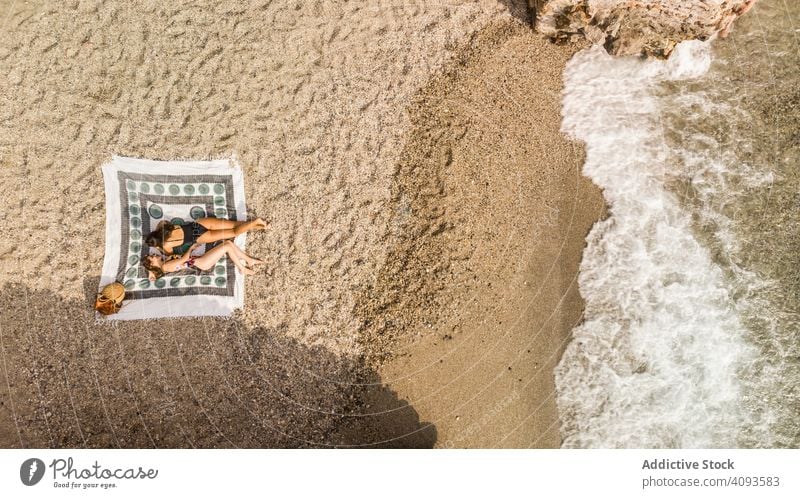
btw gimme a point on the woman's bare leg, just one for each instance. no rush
(230, 233)
(251, 261)
(256, 224)
(220, 224)
(209, 259)
(212, 236)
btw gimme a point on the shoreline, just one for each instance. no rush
(492, 241)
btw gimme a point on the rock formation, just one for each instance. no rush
(637, 27)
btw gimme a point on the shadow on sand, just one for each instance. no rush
(70, 381)
(522, 9)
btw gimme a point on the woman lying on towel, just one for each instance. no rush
(157, 267)
(176, 239)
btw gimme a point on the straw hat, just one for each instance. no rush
(109, 301)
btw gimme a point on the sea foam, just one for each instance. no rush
(656, 361)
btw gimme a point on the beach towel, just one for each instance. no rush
(141, 193)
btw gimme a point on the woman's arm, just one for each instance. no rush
(176, 264)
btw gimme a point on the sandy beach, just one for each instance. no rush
(428, 219)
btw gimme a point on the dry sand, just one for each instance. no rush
(409, 159)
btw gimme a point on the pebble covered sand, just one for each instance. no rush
(387, 207)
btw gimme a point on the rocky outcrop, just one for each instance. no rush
(637, 27)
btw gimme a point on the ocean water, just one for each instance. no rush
(691, 336)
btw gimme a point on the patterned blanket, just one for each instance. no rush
(141, 193)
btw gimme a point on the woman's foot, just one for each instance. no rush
(250, 262)
(247, 271)
(260, 224)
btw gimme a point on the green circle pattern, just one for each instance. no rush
(174, 281)
(155, 211)
(158, 188)
(190, 280)
(134, 210)
(174, 189)
(205, 280)
(160, 283)
(130, 284)
(133, 260)
(176, 221)
(135, 234)
(188, 189)
(221, 213)
(144, 187)
(219, 270)
(204, 189)
(220, 281)
(219, 188)
(144, 284)
(197, 212)
(135, 246)
(136, 222)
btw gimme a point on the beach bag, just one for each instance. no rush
(109, 300)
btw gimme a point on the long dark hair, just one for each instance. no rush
(157, 237)
(158, 271)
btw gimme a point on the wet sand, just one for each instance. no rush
(483, 295)
(419, 192)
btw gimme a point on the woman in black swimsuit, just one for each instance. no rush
(157, 267)
(176, 239)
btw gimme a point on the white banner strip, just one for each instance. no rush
(354, 473)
